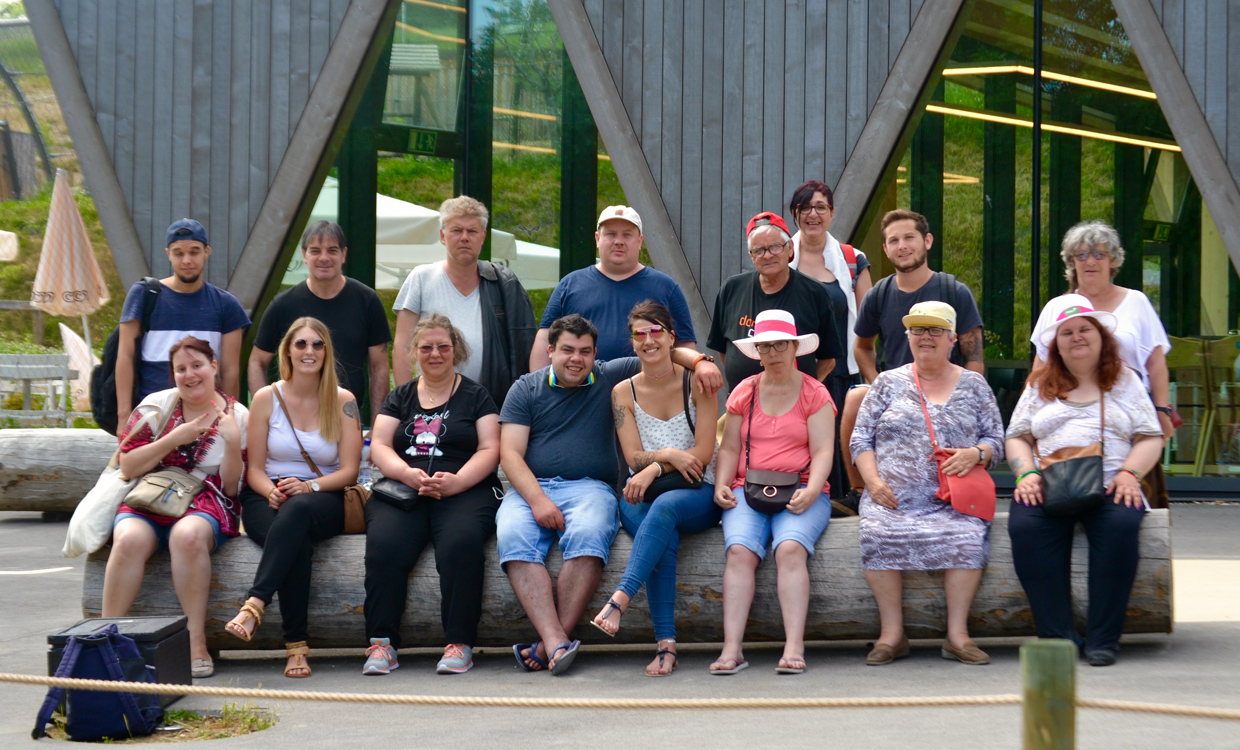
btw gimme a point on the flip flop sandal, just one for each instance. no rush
(610, 607)
(236, 625)
(790, 670)
(564, 662)
(301, 651)
(533, 654)
(662, 653)
(736, 667)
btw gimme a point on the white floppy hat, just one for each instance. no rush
(776, 325)
(1068, 306)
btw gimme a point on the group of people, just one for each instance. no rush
(481, 387)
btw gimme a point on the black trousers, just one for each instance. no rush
(837, 385)
(286, 536)
(459, 526)
(1042, 551)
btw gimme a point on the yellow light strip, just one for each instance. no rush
(534, 149)
(426, 33)
(523, 113)
(440, 6)
(1053, 127)
(1050, 75)
(949, 178)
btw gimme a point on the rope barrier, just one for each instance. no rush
(1168, 709)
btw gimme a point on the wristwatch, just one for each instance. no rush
(1164, 409)
(314, 486)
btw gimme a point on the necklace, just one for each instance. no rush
(670, 370)
(431, 396)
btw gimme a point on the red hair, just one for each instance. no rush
(1056, 381)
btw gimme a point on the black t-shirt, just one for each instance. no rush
(884, 307)
(355, 317)
(443, 437)
(739, 301)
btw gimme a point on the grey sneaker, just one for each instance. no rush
(380, 657)
(457, 659)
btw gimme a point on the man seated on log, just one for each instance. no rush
(557, 447)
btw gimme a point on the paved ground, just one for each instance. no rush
(1197, 665)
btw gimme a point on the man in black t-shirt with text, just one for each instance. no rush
(351, 310)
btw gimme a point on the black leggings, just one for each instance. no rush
(286, 536)
(1042, 555)
(460, 527)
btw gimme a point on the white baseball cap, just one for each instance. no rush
(624, 213)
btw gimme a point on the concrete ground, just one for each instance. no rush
(1198, 665)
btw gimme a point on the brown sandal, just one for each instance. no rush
(297, 652)
(236, 625)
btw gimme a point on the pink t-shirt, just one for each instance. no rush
(779, 443)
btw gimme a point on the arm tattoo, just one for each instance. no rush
(971, 345)
(350, 411)
(1016, 464)
(643, 459)
(617, 412)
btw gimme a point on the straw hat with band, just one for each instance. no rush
(932, 314)
(1070, 306)
(776, 325)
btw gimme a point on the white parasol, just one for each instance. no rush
(68, 281)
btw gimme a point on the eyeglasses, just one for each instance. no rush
(767, 348)
(655, 332)
(427, 349)
(934, 331)
(758, 252)
(819, 208)
(1095, 254)
(301, 344)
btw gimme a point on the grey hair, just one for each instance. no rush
(782, 234)
(460, 206)
(329, 229)
(1090, 234)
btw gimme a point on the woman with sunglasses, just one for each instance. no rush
(670, 490)
(1092, 256)
(780, 420)
(438, 435)
(904, 526)
(289, 504)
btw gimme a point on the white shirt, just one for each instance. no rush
(428, 290)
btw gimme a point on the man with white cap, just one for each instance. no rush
(605, 292)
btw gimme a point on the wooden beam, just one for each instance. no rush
(92, 152)
(313, 147)
(874, 155)
(626, 155)
(1205, 159)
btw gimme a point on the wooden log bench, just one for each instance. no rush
(50, 469)
(841, 604)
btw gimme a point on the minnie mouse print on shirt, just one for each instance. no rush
(424, 434)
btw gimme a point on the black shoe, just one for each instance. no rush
(1102, 657)
(847, 505)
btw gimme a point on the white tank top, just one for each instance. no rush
(284, 457)
(670, 433)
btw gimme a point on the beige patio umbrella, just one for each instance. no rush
(68, 281)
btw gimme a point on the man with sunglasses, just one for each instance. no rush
(605, 292)
(773, 285)
(351, 310)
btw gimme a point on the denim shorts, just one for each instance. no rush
(590, 522)
(163, 532)
(752, 530)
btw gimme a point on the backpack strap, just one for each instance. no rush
(152, 288)
(56, 695)
(850, 257)
(112, 663)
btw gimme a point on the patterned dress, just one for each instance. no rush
(923, 532)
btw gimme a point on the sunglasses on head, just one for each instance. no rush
(655, 332)
(301, 344)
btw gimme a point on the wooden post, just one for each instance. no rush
(1048, 672)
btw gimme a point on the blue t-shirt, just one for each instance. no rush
(606, 303)
(208, 314)
(572, 434)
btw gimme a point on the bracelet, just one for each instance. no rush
(1136, 474)
(701, 357)
(656, 463)
(1027, 473)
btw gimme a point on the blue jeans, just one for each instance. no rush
(590, 526)
(656, 528)
(752, 530)
(163, 532)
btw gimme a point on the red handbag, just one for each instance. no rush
(972, 494)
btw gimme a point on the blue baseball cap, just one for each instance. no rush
(186, 229)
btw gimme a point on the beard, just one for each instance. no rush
(917, 261)
(188, 279)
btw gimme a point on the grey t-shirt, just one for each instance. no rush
(572, 434)
(428, 290)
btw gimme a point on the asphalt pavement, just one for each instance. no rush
(1197, 665)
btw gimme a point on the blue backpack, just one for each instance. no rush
(93, 714)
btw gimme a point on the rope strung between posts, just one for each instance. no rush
(1200, 712)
